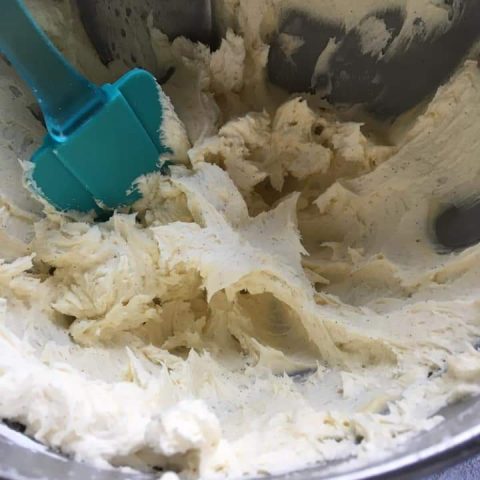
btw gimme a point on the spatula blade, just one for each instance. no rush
(100, 161)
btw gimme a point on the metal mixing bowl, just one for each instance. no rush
(117, 29)
(454, 440)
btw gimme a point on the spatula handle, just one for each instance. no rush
(65, 97)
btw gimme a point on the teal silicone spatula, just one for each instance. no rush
(100, 139)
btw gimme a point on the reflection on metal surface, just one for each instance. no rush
(458, 227)
(119, 29)
(383, 83)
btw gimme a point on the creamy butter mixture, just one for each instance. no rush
(278, 301)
